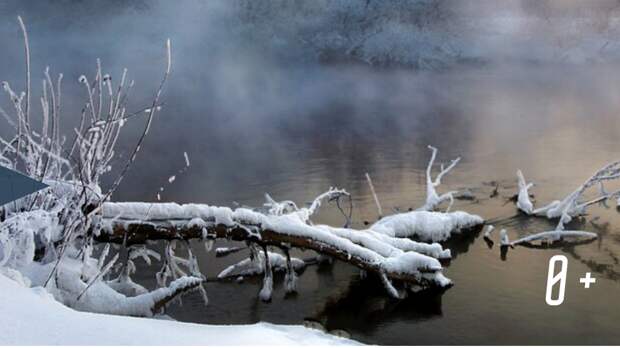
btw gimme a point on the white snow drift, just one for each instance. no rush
(27, 309)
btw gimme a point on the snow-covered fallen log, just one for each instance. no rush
(399, 259)
(199, 220)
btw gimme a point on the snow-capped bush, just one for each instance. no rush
(47, 237)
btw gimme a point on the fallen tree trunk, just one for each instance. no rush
(135, 232)
(400, 259)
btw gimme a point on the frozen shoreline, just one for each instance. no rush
(30, 316)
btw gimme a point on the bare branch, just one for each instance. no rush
(433, 199)
(374, 195)
(27, 56)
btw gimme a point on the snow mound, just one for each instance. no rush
(27, 309)
(426, 225)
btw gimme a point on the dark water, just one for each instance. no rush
(252, 124)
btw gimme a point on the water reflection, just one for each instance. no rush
(460, 243)
(364, 307)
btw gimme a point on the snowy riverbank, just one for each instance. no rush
(30, 316)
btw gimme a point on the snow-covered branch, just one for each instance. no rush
(101, 298)
(554, 236)
(569, 207)
(433, 199)
(572, 205)
(523, 197)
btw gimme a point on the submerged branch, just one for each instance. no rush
(554, 236)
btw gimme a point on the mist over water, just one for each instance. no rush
(293, 97)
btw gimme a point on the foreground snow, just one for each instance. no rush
(27, 309)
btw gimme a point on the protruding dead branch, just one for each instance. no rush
(374, 196)
(433, 199)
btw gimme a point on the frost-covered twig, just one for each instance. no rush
(27, 54)
(331, 194)
(59, 221)
(147, 127)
